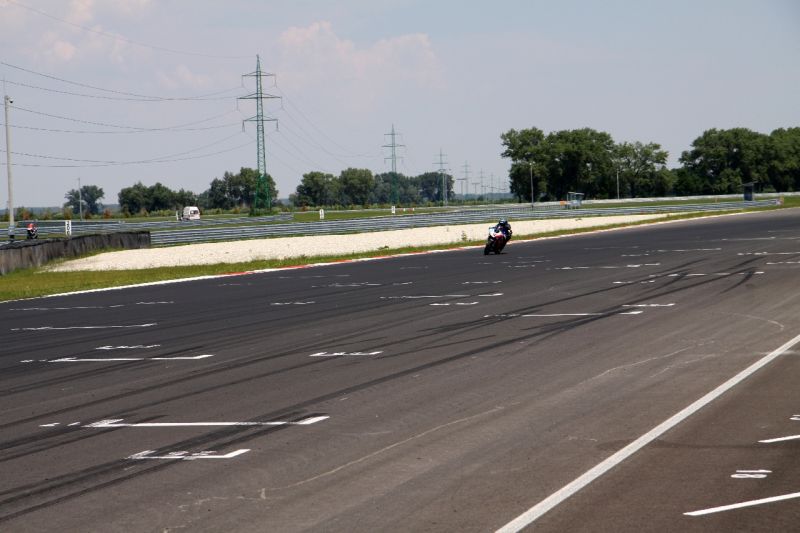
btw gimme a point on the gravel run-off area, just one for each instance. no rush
(322, 245)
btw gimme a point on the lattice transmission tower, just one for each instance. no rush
(263, 198)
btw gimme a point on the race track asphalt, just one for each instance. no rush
(438, 392)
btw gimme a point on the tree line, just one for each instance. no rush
(359, 187)
(547, 167)
(543, 167)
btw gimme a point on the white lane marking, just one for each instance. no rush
(634, 255)
(751, 474)
(117, 423)
(768, 253)
(548, 315)
(445, 304)
(337, 285)
(481, 282)
(425, 296)
(81, 307)
(783, 262)
(532, 514)
(750, 503)
(114, 359)
(796, 418)
(292, 303)
(134, 347)
(689, 275)
(781, 439)
(186, 456)
(604, 267)
(490, 295)
(48, 328)
(335, 354)
(689, 250)
(648, 305)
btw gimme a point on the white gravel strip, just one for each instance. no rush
(321, 245)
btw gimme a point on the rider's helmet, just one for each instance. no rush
(503, 221)
(30, 226)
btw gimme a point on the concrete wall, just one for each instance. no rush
(35, 253)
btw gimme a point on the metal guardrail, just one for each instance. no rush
(162, 238)
(56, 227)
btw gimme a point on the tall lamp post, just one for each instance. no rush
(617, 183)
(8, 101)
(530, 163)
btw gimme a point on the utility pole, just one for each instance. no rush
(263, 191)
(465, 179)
(531, 165)
(483, 189)
(441, 164)
(394, 146)
(9, 101)
(80, 200)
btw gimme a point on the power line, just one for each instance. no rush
(117, 132)
(146, 97)
(101, 163)
(130, 99)
(108, 125)
(120, 37)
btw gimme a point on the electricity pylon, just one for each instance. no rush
(394, 146)
(263, 192)
(441, 162)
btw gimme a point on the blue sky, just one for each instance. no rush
(449, 75)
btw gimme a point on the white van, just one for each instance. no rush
(191, 213)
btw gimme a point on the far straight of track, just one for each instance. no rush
(440, 392)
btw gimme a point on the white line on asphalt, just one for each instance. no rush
(292, 303)
(769, 253)
(781, 439)
(648, 305)
(445, 304)
(117, 423)
(113, 359)
(424, 296)
(44, 328)
(185, 456)
(750, 503)
(335, 354)
(135, 347)
(532, 514)
(548, 315)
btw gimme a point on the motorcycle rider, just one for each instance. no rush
(33, 231)
(503, 227)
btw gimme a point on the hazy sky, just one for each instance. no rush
(450, 75)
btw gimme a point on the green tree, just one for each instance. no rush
(356, 185)
(316, 189)
(526, 175)
(724, 159)
(90, 195)
(580, 161)
(160, 198)
(640, 169)
(134, 199)
(783, 168)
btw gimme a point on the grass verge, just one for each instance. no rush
(31, 283)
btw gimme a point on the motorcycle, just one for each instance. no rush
(495, 242)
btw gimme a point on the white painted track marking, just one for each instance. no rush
(648, 305)
(190, 457)
(114, 359)
(780, 439)
(335, 354)
(750, 503)
(532, 514)
(134, 347)
(49, 328)
(549, 315)
(117, 423)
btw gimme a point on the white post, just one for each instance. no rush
(68, 227)
(322, 214)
